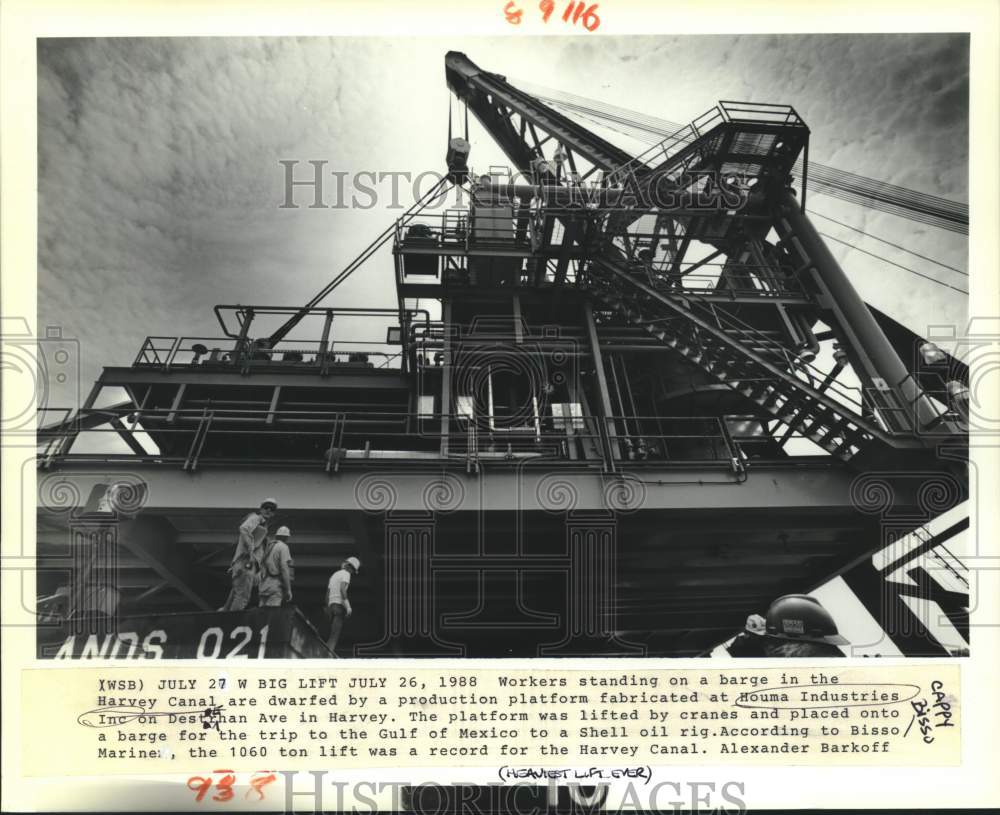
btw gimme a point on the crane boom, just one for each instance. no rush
(497, 104)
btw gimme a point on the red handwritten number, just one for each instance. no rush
(590, 18)
(201, 785)
(512, 13)
(225, 786)
(578, 10)
(547, 7)
(258, 782)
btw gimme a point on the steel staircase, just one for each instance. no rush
(749, 361)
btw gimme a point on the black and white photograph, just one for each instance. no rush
(530, 406)
(640, 346)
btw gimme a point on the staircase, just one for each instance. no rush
(751, 362)
(742, 138)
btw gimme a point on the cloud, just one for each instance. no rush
(159, 182)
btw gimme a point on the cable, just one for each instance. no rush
(663, 127)
(893, 263)
(827, 184)
(353, 266)
(890, 243)
(918, 206)
(909, 212)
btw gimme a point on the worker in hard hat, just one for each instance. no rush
(338, 606)
(276, 570)
(560, 157)
(245, 568)
(797, 625)
(55, 608)
(750, 641)
(958, 397)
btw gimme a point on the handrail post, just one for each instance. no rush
(198, 441)
(173, 352)
(241, 352)
(142, 352)
(734, 453)
(602, 381)
(607, 450)
(336, 439)
(324, 344)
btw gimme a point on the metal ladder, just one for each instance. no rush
(744, 359)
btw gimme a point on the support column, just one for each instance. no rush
(446, 377)
(602, 379)
(872, 348)
(66, 444)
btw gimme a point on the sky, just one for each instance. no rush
(160, 183)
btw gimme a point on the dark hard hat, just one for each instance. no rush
(801, 618)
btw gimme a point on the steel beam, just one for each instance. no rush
(602, 380)
(674, 305)
(873, 349)
(370, 378)
(809, 485)
(487, 93)
(75, 422)
(151, 540)
(446, 374)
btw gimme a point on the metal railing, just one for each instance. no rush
(761, 113)
(747, 284)
(750, 112)
(166, 352)
(192, 437)
(463, 230)
(657, 155)
(904, 413)
(248, 317)
(748, 336)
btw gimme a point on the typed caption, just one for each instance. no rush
(117, 721)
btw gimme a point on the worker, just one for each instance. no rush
(245, 567)
(338, 605)
(560, 156)
(750, 641)
(276, 571)
(797, 625)
(55, 608)
(958, 397)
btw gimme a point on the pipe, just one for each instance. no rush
(811, 343)
(873, 348)
(602, 382)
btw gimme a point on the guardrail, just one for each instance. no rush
(331, 439)
(760, 112)
(166, 352)
(763, 344)
(748, 284)
(903, 412)
(462, 230)
(749, 112)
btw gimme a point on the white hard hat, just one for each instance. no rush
(932, 354)
(272, 501)
(283, 530)
(756, 624)
(355, 563)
